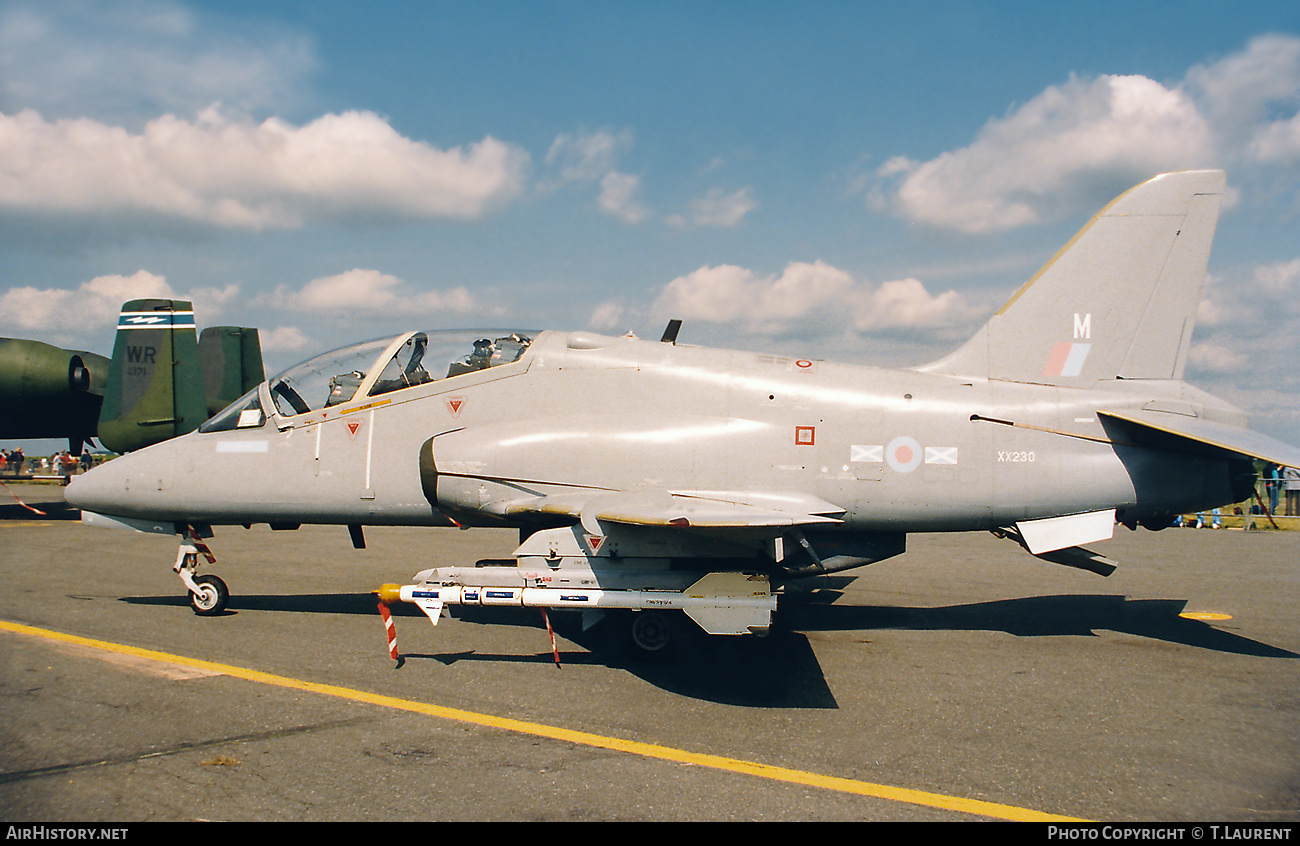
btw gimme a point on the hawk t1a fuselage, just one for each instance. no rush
(651, 475)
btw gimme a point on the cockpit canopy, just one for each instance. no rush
(373, 368)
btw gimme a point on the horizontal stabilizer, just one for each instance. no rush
(1222, 436)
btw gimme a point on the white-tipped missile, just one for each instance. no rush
(720, 603)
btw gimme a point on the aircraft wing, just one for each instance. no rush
(766, 513)
(1222, 436)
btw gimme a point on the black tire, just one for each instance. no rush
(212, 598)
(651, 635)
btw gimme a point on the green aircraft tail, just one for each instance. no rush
(231, 357)
(164, 382)
(160, 382)
(154, 389)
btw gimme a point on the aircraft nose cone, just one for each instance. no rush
(101, 490)
(143, 485)
(131, 485)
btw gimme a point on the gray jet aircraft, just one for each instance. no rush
(650, 479)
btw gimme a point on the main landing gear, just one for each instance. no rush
(208, 593)
(650, 635)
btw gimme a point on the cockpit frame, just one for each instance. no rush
(351, 387)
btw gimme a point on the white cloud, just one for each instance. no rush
(1243, 301)
(1215, 358)
(231, 172)
(1245, 342)
(1281, 282)
(367, 292)
(904, 303)
(1072, 143)
(1248, 96)
(1051, 150)
(283, 339)
(808, 298)
(716, 294)
(618, 197)
(587, 157)
(719, 208)
(592, 158)
(1279, 142)
(66, 314)
(607, 316)
(130, 61)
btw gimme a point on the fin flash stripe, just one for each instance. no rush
(1066, 359)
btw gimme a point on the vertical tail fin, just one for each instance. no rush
(1117, 302)
(155, 387)
(232, 364)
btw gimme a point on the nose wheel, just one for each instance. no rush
(208, 593)
(211, 597)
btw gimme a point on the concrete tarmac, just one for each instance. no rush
(963, 680)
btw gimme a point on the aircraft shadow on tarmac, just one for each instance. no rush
(39, 511)
(1042, 616)
(781, 670)
(778, 671)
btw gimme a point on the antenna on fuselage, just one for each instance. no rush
(670, 332)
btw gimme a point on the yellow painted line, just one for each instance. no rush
(631, 747)
(1214, 616)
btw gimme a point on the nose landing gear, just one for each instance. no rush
(208, 593)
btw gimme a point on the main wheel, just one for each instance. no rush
(650, 635)
(211, 598)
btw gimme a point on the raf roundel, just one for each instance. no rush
(903, 454)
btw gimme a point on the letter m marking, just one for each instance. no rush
(1083, 327)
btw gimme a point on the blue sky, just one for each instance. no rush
(857, 181)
